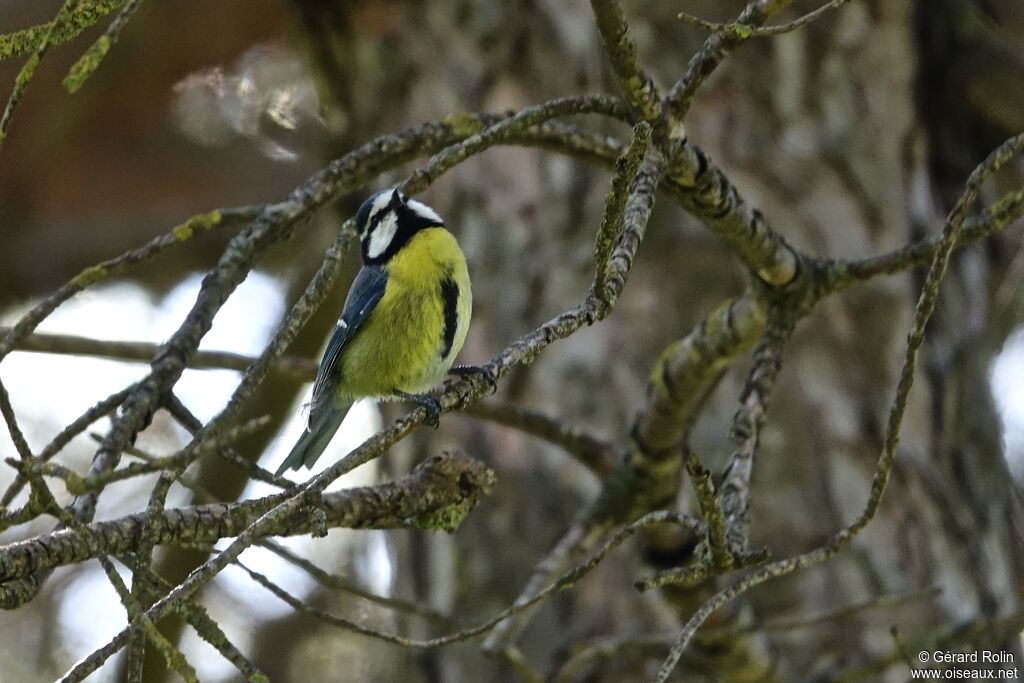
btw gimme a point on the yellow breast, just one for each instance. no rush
(417, 329)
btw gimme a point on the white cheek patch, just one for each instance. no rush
(382, 235)
(424, 211)
(380, 203)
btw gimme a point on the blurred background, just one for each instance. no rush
(853, 136)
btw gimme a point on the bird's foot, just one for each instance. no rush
(429, 403)
(470, 370)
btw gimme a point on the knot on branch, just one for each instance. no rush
(456, 478)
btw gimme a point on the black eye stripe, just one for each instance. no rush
(375, 220)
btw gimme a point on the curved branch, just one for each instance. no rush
(922, 314)
(682, 377)
(596, 454)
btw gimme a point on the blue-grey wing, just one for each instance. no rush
(367, 289)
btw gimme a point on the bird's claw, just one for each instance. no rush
(470, 370)
(430, 404)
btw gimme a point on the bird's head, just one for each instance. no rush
(387, 220)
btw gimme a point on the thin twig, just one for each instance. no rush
(712, 53)
(103, 271)
(335, 582)
(1004, 212)
(567, 580)
(78, 484)
(596, 454)
(28, 69)
(93, 57)
(301, 369)
(759, 31)
(147, 629)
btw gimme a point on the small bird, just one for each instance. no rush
(404, 320)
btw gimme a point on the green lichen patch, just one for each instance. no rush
(201, 223)
(447, 518)
(86, 64)
(90, 276)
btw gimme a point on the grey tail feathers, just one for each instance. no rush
(311, 444)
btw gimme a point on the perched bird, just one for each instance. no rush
(404, 320)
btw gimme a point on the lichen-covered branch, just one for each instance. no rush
(147, 629)
(93, 57)
(626, 168)
(734, 490)
(694, 182)
(716, 48)
(28, 69)
(761, 31)
(922, 314)
(104, 271)
(439, 483)
(637, 86)
(79, 18)
(682, 377)
(705, 191)
(207, 628)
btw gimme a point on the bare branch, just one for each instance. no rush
(716, 48)
(1002, 214)
(338, 583)
(747, 31)
(564, 582)
(92, 275)
(7, 410)
(301, 369)
(597, 454)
